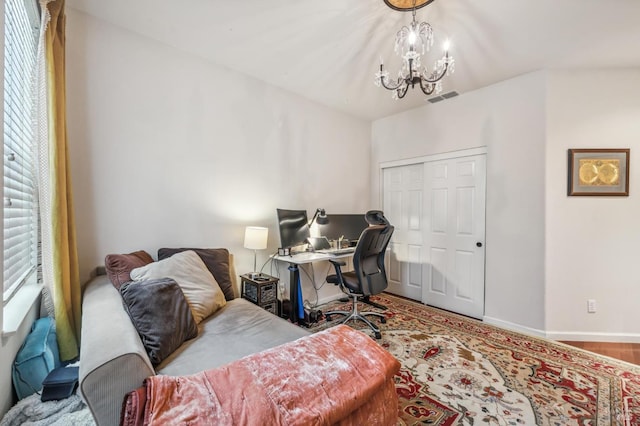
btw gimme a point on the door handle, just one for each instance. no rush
(478, 244)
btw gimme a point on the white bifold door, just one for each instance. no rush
(403, 205)
(437, 250)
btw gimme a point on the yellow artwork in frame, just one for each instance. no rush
(599, 172)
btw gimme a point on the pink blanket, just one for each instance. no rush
(338, 376)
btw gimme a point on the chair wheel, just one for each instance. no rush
(383, 320)
(378, 335)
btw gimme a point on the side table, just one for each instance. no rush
(261, 290)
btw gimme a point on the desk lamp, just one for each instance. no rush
(320, 217)
(255, 238)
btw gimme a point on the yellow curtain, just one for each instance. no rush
(66, 287)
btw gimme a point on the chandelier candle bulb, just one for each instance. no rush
(412, 39)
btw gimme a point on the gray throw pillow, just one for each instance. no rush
(216, 261)
(160, 313)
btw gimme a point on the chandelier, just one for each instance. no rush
(411, 43)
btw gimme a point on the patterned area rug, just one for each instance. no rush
(459, 371)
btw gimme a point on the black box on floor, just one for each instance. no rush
(284, 307)
(59, 384)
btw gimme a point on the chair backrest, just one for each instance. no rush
(368, 258)
(376, 217)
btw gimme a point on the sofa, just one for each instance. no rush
(114, 361)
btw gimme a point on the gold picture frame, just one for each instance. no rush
(599, 172)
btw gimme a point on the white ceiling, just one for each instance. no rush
(329, 50)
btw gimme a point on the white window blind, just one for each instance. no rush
(20, 205)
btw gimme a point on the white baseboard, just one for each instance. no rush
(514, 327)
(568, 336)
(330, 298)
(572, 336)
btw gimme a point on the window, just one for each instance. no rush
(20, 204)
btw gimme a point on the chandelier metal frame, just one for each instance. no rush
(411, 43)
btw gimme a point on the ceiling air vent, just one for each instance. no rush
(443, 97)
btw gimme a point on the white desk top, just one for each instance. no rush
(309, 257)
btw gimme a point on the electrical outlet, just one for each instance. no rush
(591, 306)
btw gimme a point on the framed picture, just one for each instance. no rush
(599, 172)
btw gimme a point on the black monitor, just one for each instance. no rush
(293, 226)
(349, 226)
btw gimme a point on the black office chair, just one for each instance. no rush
(368, 276)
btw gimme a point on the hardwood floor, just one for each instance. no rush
(629, 352)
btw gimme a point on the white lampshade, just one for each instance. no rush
(255, 237)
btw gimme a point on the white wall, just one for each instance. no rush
(170, 150)
(508, 118)
(593, 243)
(547, 253)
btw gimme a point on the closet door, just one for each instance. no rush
(454, 234)
(403, 202)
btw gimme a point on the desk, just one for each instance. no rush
(295, 290)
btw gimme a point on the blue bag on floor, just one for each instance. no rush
(37, 357)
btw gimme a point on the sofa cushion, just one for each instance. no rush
(119, 266)
(239, 329)
(217, 262)
(198, 285)
(161, 315)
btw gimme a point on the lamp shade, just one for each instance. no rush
(320, 217)
(255, 237)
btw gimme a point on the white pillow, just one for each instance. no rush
(200, 288)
